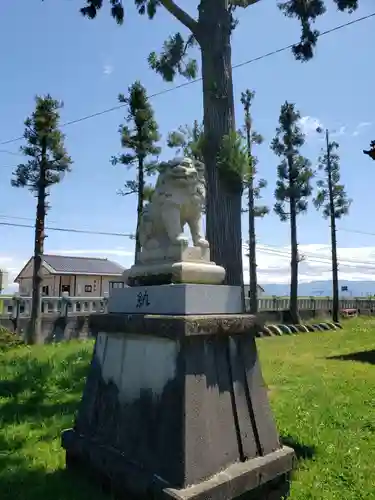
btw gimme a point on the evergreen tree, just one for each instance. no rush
(212, 31)
(253, 193)
(292, 188)
(188, 141)
(47, 162)
(370, 152)
(139, 137)
(334, 202)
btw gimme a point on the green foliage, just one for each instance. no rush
(329, 163)
(307, 11)
(232, 159)
(371, 151)
(188, 141)
(294, 172)
(252, 138)
(174, 58)
(329, 419)
(9, 340)
(139, 137)
(42, 133)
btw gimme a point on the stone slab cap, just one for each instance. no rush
(175, 264)
(239, 478)
(175, 326)
(169, 271)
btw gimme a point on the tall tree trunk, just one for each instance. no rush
(141, 187)
(223, 219)
(252, 240)
(335, 277)
(34, 327)
(293, 305)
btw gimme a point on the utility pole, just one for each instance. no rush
(335, 278)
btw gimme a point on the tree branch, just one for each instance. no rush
(180, 15)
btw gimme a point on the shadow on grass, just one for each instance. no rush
(23, 483)
(32, 392)
(35, 387)
(361, 356)
(302, 451)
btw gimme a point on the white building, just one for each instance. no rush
(77, 276)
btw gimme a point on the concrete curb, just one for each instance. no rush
(278, 330)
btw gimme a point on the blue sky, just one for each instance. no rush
(48, 47)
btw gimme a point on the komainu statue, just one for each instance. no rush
(179, 199)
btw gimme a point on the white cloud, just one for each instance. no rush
(108, 69)
(360, 127)
(356, 264)
(273, 264)
(309, 124)
(338, 131)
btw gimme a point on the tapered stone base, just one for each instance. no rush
(176, 407)
(175, 265)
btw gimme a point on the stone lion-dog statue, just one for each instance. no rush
(178, 199)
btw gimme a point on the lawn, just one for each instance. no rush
(324, 407)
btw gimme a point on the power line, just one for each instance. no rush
(74, 230)
(6, 151)
(270, 251)
(66, 229)
(323, 259)
(191, 82)
(355, 231)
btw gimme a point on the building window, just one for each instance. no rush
(117, 284)
(88, 288)
(45, 290)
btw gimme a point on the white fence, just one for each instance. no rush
(21, 306)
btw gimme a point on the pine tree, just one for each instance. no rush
(188, 141)
(253, 193)
(332, 199)
(370, 152)
(292, 188)
(139, 137)
(212, 32)
(47, 163)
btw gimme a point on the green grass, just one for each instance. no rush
(324, 407)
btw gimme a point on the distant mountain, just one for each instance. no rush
(323, 289)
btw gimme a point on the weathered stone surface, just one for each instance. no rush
(174, 326)
(170, 402)
(166, 272)
(178, 199)
(177, 299)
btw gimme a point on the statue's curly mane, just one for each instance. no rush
(193, 185)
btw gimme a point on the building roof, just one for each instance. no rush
(64, 264)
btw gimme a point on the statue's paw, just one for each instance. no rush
(202, 243)
(182, 240)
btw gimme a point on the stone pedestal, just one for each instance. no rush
(176, 299)
(175, 407)
(175, 264)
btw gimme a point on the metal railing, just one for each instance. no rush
(18, 306)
